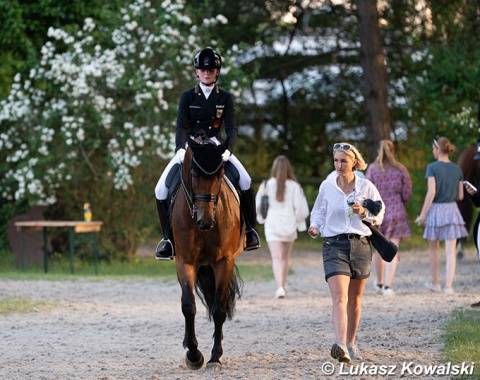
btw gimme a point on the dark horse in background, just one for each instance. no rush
(471, 172)
(209, 235)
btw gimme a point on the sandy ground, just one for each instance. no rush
(134, 329)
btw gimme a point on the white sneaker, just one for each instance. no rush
(378, 288)
(280, 293)
(435, 288)
(387, 292)
(448, 291)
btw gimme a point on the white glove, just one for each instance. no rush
(180, 155)
(226, 155)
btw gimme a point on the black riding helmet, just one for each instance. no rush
(207, 59)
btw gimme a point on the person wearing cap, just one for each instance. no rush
(338, 215)
(206, 107)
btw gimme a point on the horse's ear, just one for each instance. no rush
(192, 143)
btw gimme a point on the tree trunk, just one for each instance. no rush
(374, 89)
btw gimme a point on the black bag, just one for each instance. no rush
(386, 248)
(264, 202)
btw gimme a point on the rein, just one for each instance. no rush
(191, 197)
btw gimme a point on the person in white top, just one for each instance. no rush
(287, 213)
(338, 215)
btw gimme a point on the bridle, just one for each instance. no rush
(191, 197)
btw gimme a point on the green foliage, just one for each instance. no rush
(297, 62)
(24, 25)
(93, 120)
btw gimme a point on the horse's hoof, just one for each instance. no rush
(194, 365)
(215, 367)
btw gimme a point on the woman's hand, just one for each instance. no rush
(357, 209)
(313, 232)
(420, 219)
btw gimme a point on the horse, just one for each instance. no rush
(471, 172)
(209, 234)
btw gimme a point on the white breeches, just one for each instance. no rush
(245, 182)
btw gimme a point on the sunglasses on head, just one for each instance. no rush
(435, 142)
(345, 147)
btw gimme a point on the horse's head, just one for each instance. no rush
(206, 177)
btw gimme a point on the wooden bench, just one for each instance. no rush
(73, 226)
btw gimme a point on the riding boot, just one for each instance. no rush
(249, 213)
(166, 252)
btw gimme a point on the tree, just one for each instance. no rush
(374, 89)
(23, 29)
(93, 121)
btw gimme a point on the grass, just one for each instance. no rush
(59, 269)
(22, 305)
(461, 337)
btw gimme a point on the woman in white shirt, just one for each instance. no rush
(287, 213)
(337, 216)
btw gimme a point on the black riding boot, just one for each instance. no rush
(249, 212)
(166, 251)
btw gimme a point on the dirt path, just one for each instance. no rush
(134, 329)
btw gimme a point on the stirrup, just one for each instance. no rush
(253, 247)
(157, 251)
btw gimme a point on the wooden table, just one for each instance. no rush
(73, 226)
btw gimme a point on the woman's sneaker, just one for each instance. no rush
(388, 292)
(340, 352)
(435, 288)
(378, 287)
(353, 351)
(448, 291)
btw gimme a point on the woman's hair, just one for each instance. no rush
(386, 151)
(281, 171)
(354, 153)
(444, 145)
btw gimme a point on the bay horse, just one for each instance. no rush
(209, 235)
(471, 172)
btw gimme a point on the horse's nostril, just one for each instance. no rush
(205, 226)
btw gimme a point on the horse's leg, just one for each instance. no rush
(186, 277)
(223, 275)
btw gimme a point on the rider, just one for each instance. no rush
(206, 106)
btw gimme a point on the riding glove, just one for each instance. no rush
(226, 155)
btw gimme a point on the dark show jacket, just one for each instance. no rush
(196, 112)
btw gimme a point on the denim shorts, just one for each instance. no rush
(349, 257)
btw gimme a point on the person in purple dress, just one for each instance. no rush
(440, 212)
(395, 186)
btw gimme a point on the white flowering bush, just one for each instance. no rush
(99, 98)
(95, 119)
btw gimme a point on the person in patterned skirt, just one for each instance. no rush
(395, 186)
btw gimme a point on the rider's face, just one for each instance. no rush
(207, 76)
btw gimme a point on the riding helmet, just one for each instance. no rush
(207, 59)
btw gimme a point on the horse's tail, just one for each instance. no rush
(205, 289)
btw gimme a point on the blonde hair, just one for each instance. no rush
(386, 151)
(281, 171)
(355, 154)
(444, 145)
